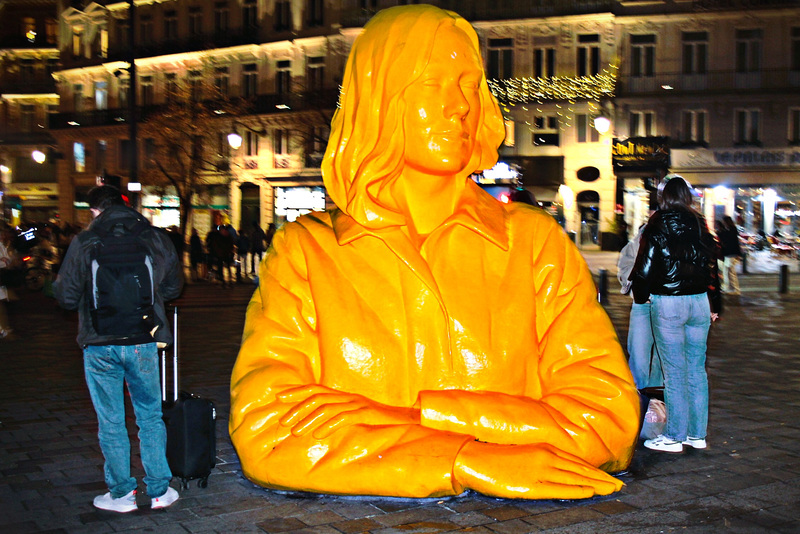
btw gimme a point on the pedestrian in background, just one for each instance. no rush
(242, 250)
(728, 236)
(197, 256)
(676, 271)
(8, 261)
(114, 360)
(257, 246)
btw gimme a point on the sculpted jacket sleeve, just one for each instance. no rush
(280, 351)
(586, 403)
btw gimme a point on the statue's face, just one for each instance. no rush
(443, 107)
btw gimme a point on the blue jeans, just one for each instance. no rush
(642, 354)
(680, 328)
(106, 368)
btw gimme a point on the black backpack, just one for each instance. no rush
(122, 282)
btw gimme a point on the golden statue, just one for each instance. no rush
(422, 338)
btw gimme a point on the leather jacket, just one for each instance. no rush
(677, 256)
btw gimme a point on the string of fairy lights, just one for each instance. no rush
(562, 91)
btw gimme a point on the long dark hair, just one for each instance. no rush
(676, 194)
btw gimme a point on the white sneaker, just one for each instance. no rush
(662, 443)
(165, 500)
(697, 443)
(122, 505)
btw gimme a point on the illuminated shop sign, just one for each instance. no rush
(640, 152)
(736, 157)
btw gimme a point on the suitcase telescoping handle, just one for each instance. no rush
(174, 361)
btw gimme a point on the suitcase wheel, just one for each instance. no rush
(184, 484)
(202, 483)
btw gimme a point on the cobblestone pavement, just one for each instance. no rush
(748, 480)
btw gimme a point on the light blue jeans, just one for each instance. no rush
(107, 368)
(642, 355)
(680, 328)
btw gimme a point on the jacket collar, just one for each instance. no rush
(476, 210)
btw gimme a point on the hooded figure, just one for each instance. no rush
(422, 338)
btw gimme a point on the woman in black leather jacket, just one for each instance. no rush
(676, 270)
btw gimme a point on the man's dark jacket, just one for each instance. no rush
(677, 256)
(73, 285)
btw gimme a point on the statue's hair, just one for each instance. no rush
(366, 147)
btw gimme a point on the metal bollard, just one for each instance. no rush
(744, 263)
(783, 279)
(602, 285)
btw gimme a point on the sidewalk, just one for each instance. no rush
(747, 481)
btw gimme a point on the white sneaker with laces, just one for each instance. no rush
(663, 443)
(697, 443)
(123, 505)
(165, 500)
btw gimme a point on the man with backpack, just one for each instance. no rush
(117, 274)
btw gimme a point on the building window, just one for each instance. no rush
(694, 125)
(250, 14)
(145, 30)
(170, 25)
(103, 52)
(195, 21)
(51, 31)
(316, 74)
(748, 50)
(747, 127)
(100, 151)
(642, 124)
(27, 70)
(544, 62)
(283, 15)
(280, 148)
(196, 89)
(695, 52)
(29, 28)
(76, 44)
(283, 78)
(170, 86)
(221, 15)
(77, 97)
(221, 81)
(251, 140)
(795, 53)
(149, 153)
(501, 59)
(52, 110)
(79, 157)
(369, 5)
(51, 65)
(794, 126)
(249, 80)
(146, 86)
(588, 54)
(315, 12)
(123, 37)
(643, 55)
(585, 130)
(101, 95)
(123, 92)
(27, 117)
(125, 154)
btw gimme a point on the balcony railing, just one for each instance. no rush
(713, 82)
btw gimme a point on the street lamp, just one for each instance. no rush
(602, 124)
(234, 140)
(38, 156)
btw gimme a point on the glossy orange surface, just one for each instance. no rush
(423, 338)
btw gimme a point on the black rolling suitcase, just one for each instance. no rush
(191, 426)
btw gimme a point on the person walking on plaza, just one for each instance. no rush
(121, 348)
(8, 260)
(197, 255)
(257, 248)
(676, 271)
(728, 236)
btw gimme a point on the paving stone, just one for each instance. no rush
(356, 525)
(563, 517)
(281, 525)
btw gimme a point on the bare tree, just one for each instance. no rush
(185, 141)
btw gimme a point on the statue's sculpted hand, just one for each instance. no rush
(538, 471)
(322, 411)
